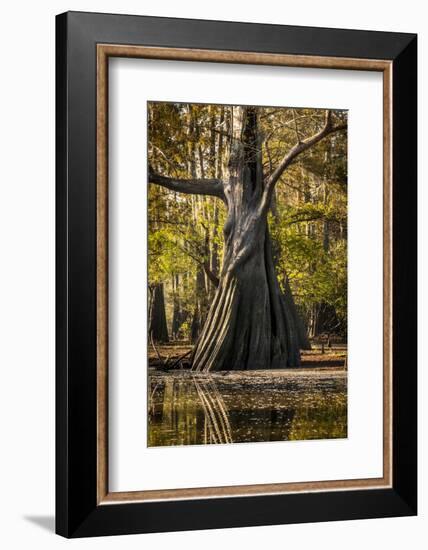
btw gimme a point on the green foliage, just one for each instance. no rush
(316, 275)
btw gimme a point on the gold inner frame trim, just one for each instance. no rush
(104, 51)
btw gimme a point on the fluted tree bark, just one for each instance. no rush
(250, 325)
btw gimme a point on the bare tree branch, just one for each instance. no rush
(211, 275)
(298, 149)
(211, 187)
(203, 263)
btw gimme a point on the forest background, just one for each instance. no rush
(307, 218)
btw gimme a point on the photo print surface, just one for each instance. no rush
(247, 274)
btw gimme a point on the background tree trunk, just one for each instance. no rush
(177, 314)
(201, 305)
(302, 331)
(158, 329)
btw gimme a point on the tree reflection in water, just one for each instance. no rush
(188, 409)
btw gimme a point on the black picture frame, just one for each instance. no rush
(77, 511)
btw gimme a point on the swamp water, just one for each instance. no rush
(194, 409)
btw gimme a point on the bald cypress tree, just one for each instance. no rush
(250, 324)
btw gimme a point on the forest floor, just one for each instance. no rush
(176, 356)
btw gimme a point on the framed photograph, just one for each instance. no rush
(236, 274)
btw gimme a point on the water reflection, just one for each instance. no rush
(191, 409)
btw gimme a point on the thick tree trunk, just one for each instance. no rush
(158, 329)
(249, 325)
